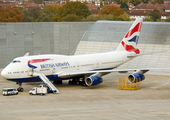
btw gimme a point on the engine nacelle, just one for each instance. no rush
(93, 80)
(136, 77)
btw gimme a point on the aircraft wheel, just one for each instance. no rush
(83, 83)
(60, 82)
(80, 83)
(18, 89)
(70, 82)
(22, 89)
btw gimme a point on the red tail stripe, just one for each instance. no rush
(137, 28)
(130, 48)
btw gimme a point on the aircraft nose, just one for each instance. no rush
(4, 73)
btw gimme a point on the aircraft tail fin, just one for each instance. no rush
(130, 40)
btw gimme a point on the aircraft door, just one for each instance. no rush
(97, 64)
(30, 71)
(53, 70)
(78, 66)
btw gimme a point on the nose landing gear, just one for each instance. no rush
(20, 89)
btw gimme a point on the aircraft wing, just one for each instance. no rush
(70, 74)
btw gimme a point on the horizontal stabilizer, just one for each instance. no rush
(135, 55)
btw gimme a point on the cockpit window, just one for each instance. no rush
(16, 61)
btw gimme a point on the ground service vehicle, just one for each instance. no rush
(9, 91)
(38, 90)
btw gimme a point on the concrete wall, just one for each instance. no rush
(155, 36)
(63, 37)
(39, 38)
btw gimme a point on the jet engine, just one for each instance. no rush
(93, 80)
(137, 76)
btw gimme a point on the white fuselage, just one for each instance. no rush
(53, 65)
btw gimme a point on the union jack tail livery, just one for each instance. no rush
(130, 40)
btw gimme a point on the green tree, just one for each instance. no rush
(155, 15)
(91, 17)
(53, 11)
(135, 2)
(101, 4)
(123, 17)
(70, 17)
(167, 20)
(38, 1)
(19, 8)
(130, 1)
(157, 1)
(44, 18)
(76, 8)
(32, 14)
(149, 19)
(124, 6)
(145, 1)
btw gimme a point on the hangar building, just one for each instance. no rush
(82, 38)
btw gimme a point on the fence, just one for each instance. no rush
(124, 84)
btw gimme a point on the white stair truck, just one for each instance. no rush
(38, 90)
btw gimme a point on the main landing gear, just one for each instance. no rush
(58, 82)
(20, 89)
(77, 81)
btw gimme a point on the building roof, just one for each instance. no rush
(144, 13)
(165, 13)
(130, 5)
(148, 6)
(9, 4)
(114, 3)
(55, 3)
(92, 6)
(139, 12)
(94, 11)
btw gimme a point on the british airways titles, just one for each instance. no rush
(52, 65)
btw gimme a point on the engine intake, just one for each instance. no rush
(135, 77)
(93, 80)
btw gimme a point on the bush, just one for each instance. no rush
(167, 20)
(124, 17)
(70, 17)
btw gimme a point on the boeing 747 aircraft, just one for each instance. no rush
(89, 67)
